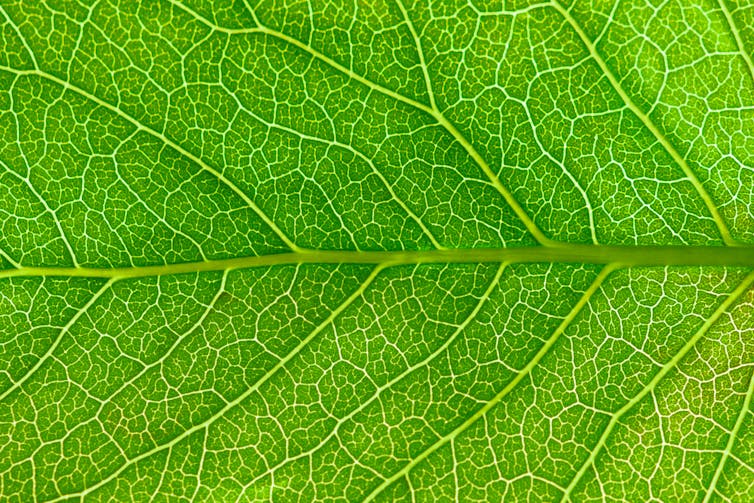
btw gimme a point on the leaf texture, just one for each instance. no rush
(376, 251)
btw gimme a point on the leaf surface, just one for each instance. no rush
(376, 251)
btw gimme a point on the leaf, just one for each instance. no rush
(376, 251)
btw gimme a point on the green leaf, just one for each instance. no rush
(376, 251)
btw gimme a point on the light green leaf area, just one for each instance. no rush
(395, 250)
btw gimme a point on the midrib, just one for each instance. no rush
(741, 256)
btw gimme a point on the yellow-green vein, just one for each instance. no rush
(442, 348)
(649, 124)
(55, 343)
(235, 402)
(742, 256)
(532, 227)
(670, 365)
(167, 141)
(745, 409)
(524, 372)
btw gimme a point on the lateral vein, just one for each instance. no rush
(649, 124)
(745, 409)
(55, 343)
(67, 86)
(659, 376)
(358, 292)
(523, 373)
(432, 110)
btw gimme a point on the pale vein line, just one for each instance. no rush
(583, 301)
(737, 36)
(46, 207)
(745, 409)
(213, 25)
(670, 365)
(464, 142)
(200, 468)
(440, 118)
(312, 52)
(143, 201)
(17, 29)
(420, 51)
(561, 164)
(233, 403)
(741, 256)
(461, 139)
(208, 309)
(167, 141)
(9, 259)
(162, 470)
(357, 153)
(57, 340)
(434, 112)
(649, 124)
(27, 181)
(249, 9)
(533, 229)
(411, 369)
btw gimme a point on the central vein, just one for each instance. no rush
(742, 256)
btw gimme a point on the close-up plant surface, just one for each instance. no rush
(358, 250)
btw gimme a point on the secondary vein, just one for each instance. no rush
(670, 365)
(649, 124)
(523, 373)
(219, 175)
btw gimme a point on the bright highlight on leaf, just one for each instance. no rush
(376, 251)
